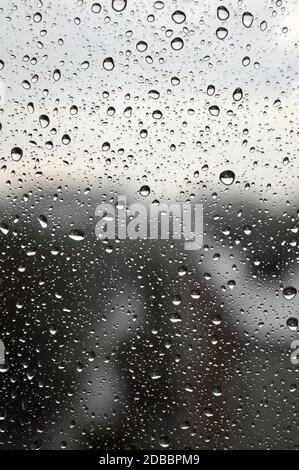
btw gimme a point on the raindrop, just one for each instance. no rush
(157, 114)
(96, 8)
(154, 94)
(227, 177)
(217, 391)
(26, 85)
(292, 323)
(141, 46)
(56, 75)
(178, 16)
(176, 300)
(195, 294)
(16, 154)
(238, 94)
(222, 13)
(77, 235)
(175, 81)
(43, 221)
(247, 19)
(4, 228)
(214, 110)
(85, 65)
(182, 271)
(37, 17)
(30, 107)
(65, 139)
(289, 292)
(177, 44)
(246, 61)
(73, 110)
(164, 441)
(108, 63)
(145, 190)
(211, 90)
(119, 5)
(221, 33)
(263, 25)
(44, 121)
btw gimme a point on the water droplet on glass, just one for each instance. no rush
(56, 75)
(238, 94)
(247, 19)
(289, 292)
(37, 17)
(154, 94)
(96, 8)
(65, 139)
(178, 16)
(16, 154)
(211, 90)
(175, 81)
(44, 121)
(177, 44)
(157, 114)
(77, 235)
(108, 63)
(263, 25)
(221, 33)
(26, 85)
(141, 46)
(227, 177)
(292, 323)
(214, 110)
(246, 61)
(164, 441)
(217, 391)
(145, 190)
(4, 228)
(119, 5)
(222, 13)
(85, 65)
(43, 221)
(73, 109)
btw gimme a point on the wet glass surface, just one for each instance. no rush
(141, 343)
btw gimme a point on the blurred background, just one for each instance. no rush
(141, 344)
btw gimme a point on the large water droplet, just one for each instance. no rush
(247, 19)
(177, 44)
(56, 75)
(144, 190)
(238, 94)
(37, 17)
(214, 110)
(43, 221)
(164, 441)
(108, 63)
(211, 90)
(289, 292)
(96, 8)
(65, 139)
(141, 46)
(44, 121)
(221, 33)
(77, 235)
(292, 323)
(222, 13)
(227, 177)
(178, 16)
(4, 228)
(16, 154)
(119, 5)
